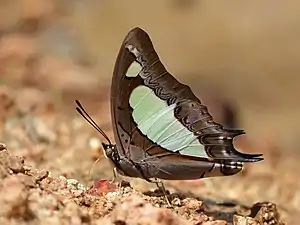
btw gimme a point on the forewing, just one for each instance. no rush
(149, 101)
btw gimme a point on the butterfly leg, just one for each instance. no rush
(160, 185)
(115, 175)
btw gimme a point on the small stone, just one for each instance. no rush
(241, 220)
(176, 202)
(42, 174)
(192, 204)
(63, 178)
(127, 189)
(2, 147)
(266, 212)
(16, 164)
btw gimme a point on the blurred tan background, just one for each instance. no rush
(245, 51)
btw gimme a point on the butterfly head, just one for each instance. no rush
(110, 151)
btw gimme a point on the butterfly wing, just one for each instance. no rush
(158, 121)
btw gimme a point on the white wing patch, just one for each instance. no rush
(134, 69)
(156, 120)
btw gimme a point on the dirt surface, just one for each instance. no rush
(30, 196)
(240, 59)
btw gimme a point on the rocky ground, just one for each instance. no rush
(31, 196)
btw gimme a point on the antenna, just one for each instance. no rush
(89, 119)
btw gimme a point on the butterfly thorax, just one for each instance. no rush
(124, 166)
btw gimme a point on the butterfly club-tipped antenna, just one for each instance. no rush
(109, 149)
(89, 119)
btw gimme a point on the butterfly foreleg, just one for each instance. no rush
(115, 175)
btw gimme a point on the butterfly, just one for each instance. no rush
(161, 129)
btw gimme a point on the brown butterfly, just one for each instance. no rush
(161, 128)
